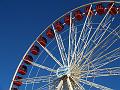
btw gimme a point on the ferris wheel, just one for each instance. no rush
(74, 52)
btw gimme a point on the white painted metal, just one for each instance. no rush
(69, 84)
(80, 66)
(95, 85)
(49, 53)
(59, 85)
(60, 46)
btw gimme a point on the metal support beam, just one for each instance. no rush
(59, 85)
(69, 84)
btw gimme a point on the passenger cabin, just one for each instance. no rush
(28, 59)
(78, 15)
(34, 50)
(67, 19)
(17, 81)
(42, 41)
(22, 70)
(100, 9)
(50, 33)
(58, 26)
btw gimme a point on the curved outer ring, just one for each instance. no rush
(48, 27)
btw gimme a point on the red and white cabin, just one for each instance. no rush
(34, 50)
(28, 59)
(58, 26)
(17, 81)
(22, 70)
(100, 9)
(42, 41)
(50, 33)
(67, 19)
(78, 15)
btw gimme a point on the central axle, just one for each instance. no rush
(62, 71)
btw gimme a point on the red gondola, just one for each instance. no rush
(50, 33)
(22, 70)
(100, 9)
(34, 50)
(58, 26)
(67, 19)
(27, 59)
(42, 40)
(87, 9)
(113, 9)
(78, 15)
(17, 81)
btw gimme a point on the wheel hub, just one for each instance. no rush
(62, 71)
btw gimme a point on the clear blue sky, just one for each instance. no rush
(21, 21)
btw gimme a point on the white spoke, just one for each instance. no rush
(102, 43)
(78, 84)
(73, 44)
(43, 67)
(79, 58)
(72, 39)
(94, 85)
(97, 57)
(51, 55)
(37, 79)
(101, 35)
(103, 72)
(108, 60)
(69, 84)
(60, 46)
(85, 39)
(116, 33)
(105, 59)
(81, 87)
(100, 24)
(69, 47)
(59, 85)
(81, 32)
(44, 87)
(108, 20)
